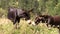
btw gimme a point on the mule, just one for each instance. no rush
(15, 14)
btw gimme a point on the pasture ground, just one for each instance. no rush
(6, 27)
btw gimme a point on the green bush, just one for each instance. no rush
(3, 13)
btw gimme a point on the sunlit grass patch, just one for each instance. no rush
(6, 27)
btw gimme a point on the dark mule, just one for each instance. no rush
(15, 14)
(52, 20)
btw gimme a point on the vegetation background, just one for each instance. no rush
(51, 7)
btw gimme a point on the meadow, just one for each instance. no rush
(50, 7)
(6, 27)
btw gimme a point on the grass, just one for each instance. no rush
(6, 27)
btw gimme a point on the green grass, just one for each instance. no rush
(6, 27)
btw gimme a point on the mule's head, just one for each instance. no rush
(37, 20)
(26, 15)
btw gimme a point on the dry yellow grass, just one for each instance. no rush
(6, 27)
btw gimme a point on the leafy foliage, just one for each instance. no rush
(40, 6)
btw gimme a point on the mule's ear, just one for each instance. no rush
(31, 10)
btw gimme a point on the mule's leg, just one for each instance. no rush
(14, 23)
(48, 22)
(18, 19)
